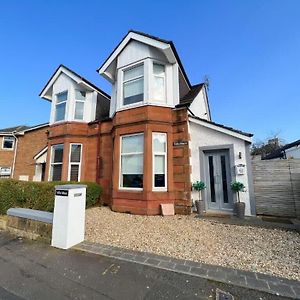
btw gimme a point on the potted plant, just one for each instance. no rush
(199, 186)
(238, 187)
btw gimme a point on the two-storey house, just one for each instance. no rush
(150, 140)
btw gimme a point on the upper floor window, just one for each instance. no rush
(75, 162)
(79, 104)
(159, 93)
(132, 165)
(56, 162)
(60, 106)
(8, 142)
(133, 85)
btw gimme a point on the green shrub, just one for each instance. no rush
(38, 195)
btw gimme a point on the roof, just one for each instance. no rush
(223, 126)
(14, 129)
(157, 39)
(21, 128)
(79, 76)
(187, 100)
(280, 153)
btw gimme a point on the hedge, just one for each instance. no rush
(38, 195)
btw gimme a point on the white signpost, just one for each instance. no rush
(69, 216)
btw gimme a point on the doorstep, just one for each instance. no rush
(257, 281)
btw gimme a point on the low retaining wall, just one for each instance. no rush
(29, 223)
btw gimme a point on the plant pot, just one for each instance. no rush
(240, 209)
(200, 207)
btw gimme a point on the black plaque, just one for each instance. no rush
(64, 193)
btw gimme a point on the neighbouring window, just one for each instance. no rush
(132, 164)
(159, 149)
(79, 104)
(75, 162)
(56, 162)
(5, 172)
(159, 93)
(133, 85)
(8, 142)
(60, 106)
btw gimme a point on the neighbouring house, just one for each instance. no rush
(19, 153)
(150, 140)
(288, 151)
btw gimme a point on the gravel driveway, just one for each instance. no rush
(270, 251)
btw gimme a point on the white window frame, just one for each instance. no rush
(5, 175)
(3, 140)
(164, 100)
(81, 101)
(165, 154)
(63, 102)
(50, 176)
(75, 163)
(123, 70)
(131, 153)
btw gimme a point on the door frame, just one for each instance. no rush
(230, 149)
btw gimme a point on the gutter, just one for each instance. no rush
(15, 154)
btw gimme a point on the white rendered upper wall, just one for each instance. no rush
(65, 83)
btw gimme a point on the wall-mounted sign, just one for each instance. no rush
(62, 193)
(180, 143)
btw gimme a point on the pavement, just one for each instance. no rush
(34, 270)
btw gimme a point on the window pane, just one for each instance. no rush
(224, 178)
(75, 153)
(79, 110)
(80, 95)
(56, 172)
(159, 164)
(133, 73)
(61, 97)
(74, 173)
(133, 181)
(60, 112)
(212, 179)
(134, 91)
(159, 180)
(159, 88)
(8, 142)
(132, 164)
(57, 153)
(158, 69)
(159, 142)
(133, 143)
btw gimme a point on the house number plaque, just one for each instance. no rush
(180, 143)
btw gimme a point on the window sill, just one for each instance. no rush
(121, 189)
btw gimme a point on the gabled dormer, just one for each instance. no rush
(74, 98)
(144, 70)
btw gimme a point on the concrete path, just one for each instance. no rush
(33, 270)
(257, 281)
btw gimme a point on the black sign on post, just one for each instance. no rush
(180, 143)
(62, 193)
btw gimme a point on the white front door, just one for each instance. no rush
(218, 178)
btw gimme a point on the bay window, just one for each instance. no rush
(132, 161)
(159, 150)
(79, 104)
(8, 142)
(56, 164)
(133, 85)
(159, 93)
(60, 106)
(75, 162)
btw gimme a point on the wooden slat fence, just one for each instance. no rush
(277, 187)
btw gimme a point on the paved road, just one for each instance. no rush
(33, 270)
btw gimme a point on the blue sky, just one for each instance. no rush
(250, 50)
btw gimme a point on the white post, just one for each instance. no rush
(69, 216)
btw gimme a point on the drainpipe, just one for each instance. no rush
(15, 154)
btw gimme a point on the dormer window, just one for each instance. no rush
(60, 107)
(79, 104)
(133, 85)
(159, 78)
